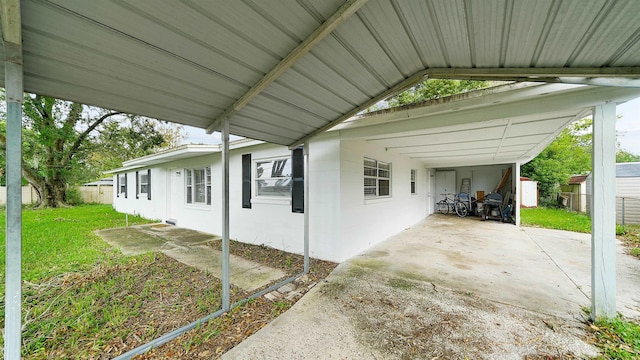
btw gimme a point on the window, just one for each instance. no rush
(377, 178)
(273, 177)
(122, 185)
(143, 184)
(413, 182)
(198, 186)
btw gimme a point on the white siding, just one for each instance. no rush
(629, 189)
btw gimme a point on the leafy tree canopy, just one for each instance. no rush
(569, 154)
(67, 143)
(435, 88)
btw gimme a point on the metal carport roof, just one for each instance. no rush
(284, 70)
(501, 125)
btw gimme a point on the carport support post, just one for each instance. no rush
(517, 198)
(225, 215)
(13, 76)
(603, 213)
(306, 207)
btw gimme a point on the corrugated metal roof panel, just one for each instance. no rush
(526, 26)
(486, 32)
(452, 22)
(191, 62)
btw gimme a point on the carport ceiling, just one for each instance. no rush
(282, 71)
(507, 124)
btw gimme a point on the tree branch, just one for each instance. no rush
(76, 145)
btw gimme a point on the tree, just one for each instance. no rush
(60, 140)
(435, 88)
(567, 155)
(623, 156)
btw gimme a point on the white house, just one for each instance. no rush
(368, 178)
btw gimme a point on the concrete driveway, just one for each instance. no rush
(449, 288)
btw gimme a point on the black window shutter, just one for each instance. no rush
(297, 175)
(117, 185)
(137, 185)
(148, 184)
(126, 186)
(246, 181)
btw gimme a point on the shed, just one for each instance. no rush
(575, 193)
(528, 192)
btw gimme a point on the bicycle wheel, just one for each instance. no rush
(461, 209)
(442, 207)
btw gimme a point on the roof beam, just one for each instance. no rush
(533, 73)
(610, 76)
(342, 14)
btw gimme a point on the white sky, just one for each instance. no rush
(628, 129)
(629, 126)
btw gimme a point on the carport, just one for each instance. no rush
(286, 72)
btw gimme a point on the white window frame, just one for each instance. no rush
(191, 188)
(141, 184)
(261, 177)
(414, 182)
(122, 183)
(376, 174)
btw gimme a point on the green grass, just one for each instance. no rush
(617, 338)
(559, 219)
(56, 241)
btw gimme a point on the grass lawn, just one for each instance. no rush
(559, 219)
(84, 300)
(56, 241)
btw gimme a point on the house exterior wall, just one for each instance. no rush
(367, 221)
(342, 222)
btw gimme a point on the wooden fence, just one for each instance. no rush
(90, 194)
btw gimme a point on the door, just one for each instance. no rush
(445, 183)
(173, 191)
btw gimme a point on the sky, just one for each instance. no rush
(628, 127)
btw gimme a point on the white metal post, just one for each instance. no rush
(517, 197)
(603, 213)
(306, 207)
(225, 216)
(13, 80)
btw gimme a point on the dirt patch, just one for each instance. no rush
(410, 319)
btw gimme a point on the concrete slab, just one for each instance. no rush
(189, 247)
(533, 280)
(571, 252)
(496, 261)
(245, 274)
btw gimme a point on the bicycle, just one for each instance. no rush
(448, 205)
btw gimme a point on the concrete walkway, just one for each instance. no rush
(190, 248)
(533, 280)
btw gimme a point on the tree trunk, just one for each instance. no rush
(54, 193)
